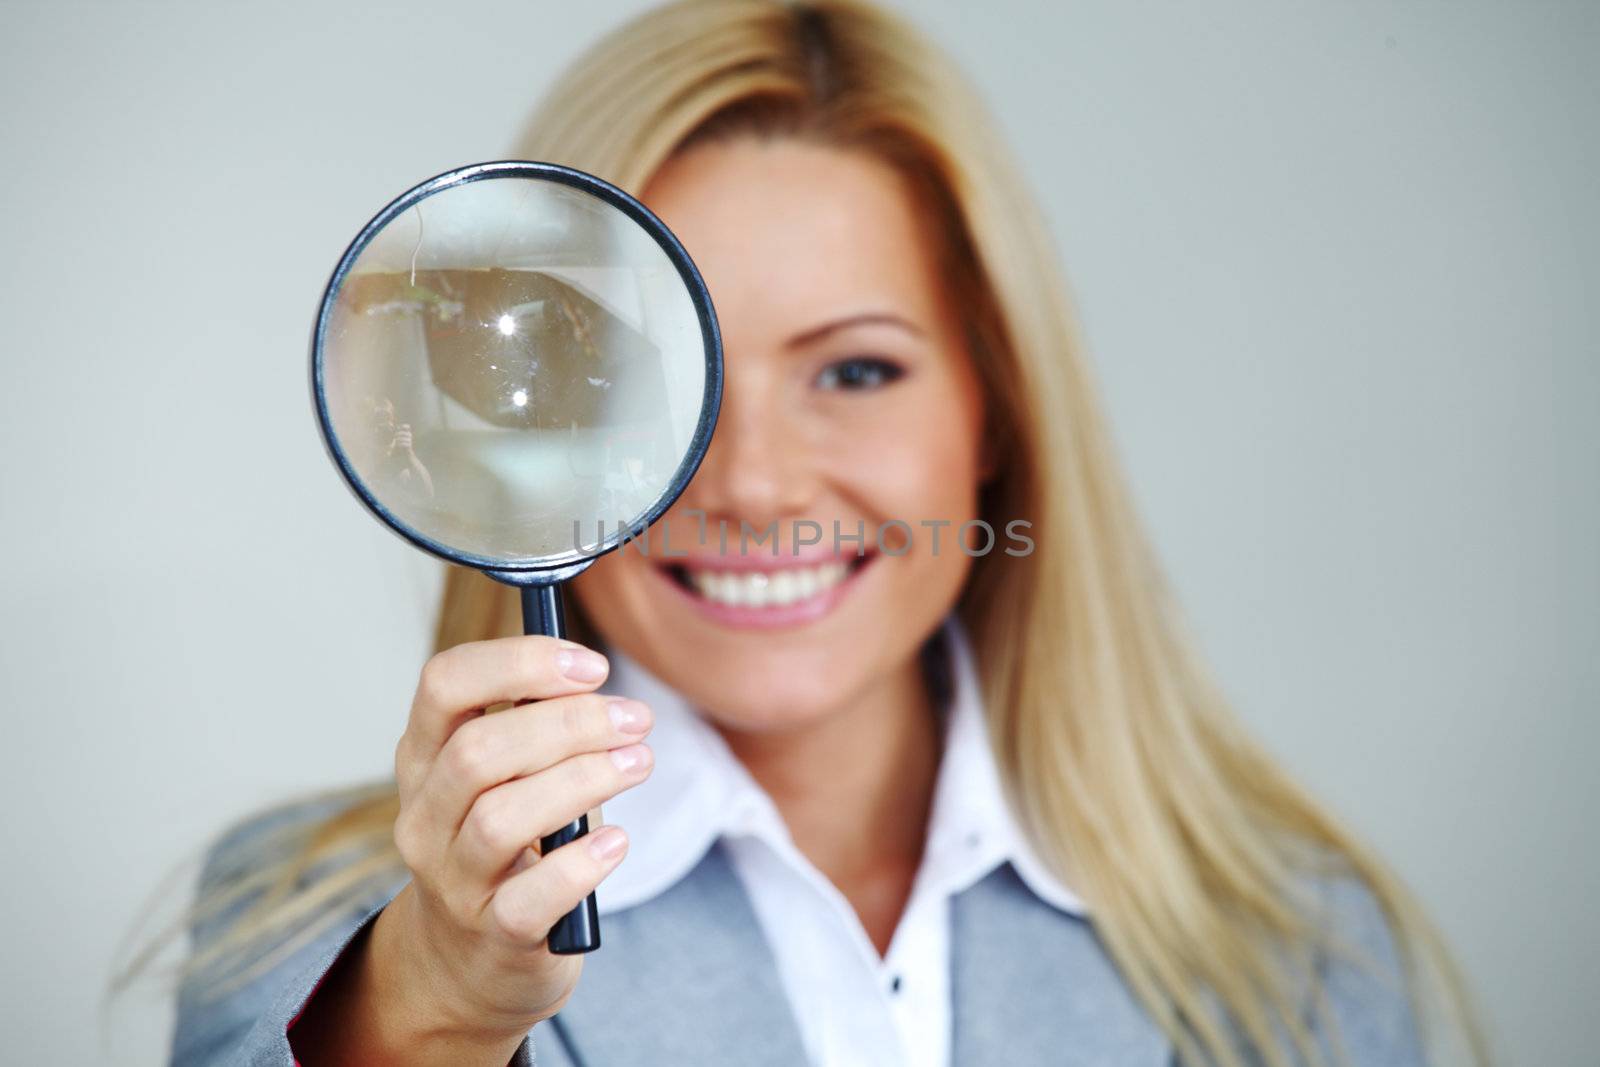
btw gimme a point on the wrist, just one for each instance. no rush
(423, 989)
(381, 1003)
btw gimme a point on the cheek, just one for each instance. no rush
(614, 596)
(918, 460)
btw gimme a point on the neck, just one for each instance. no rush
(855, 788)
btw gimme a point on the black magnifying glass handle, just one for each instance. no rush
(577, 931)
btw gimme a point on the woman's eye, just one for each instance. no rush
(862, 372)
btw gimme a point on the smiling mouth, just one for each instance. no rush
(790, 584)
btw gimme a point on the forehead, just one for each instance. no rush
(787, 233)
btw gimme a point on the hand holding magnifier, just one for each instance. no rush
(516, 366)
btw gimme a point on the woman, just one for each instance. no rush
(923, 803)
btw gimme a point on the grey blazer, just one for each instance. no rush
(1031, 985)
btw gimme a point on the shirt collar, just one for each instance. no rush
(699, 792)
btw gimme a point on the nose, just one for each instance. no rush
(759, 468)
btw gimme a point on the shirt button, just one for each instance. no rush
(974, 839)
(894, 984)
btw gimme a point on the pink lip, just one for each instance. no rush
(742, 616)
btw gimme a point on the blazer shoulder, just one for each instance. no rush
(237, 1010)
(1363, 976)
(229, 883)
(280, 827)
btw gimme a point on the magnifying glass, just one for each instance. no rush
(516, 367)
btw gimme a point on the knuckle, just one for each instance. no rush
(533, 659)
(410, 765)
(494, 824)
(470, 753)
(407, 840)
(597, 775)
(402, 762)
(597, 711)
(433, 682)
(577, 716)
(514, 916)
(564, 874)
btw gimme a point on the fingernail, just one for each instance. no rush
(607, 843)
(629, 716)
(630, 758)
(581, 665)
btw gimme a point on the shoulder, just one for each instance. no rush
(286, 825)
(311, 837)
(277, 829)
(280, 894)
(320, 834)
(1347, 910)
(1362, 1005)
(338, 842)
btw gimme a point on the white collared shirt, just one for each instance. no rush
(853, 1008)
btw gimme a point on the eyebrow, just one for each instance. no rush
(865, 318)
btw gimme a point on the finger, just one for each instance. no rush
(457, 683)
(527, 904)
(511, 817)
(494, 749)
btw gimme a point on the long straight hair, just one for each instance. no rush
(1122, 761)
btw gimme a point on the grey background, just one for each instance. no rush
(1338, 265)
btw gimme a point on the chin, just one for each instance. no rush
(773, 690)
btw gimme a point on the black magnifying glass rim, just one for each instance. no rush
(570, 561)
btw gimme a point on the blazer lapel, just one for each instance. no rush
(1033, 985)
(687, 978)
(684, 978)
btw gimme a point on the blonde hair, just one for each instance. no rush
(1192, 849)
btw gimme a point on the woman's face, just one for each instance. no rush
(849, 401)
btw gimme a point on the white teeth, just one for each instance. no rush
(768, 589)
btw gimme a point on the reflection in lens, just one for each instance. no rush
(510, 360)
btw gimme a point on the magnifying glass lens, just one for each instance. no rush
(515, 366)
(510, 363)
